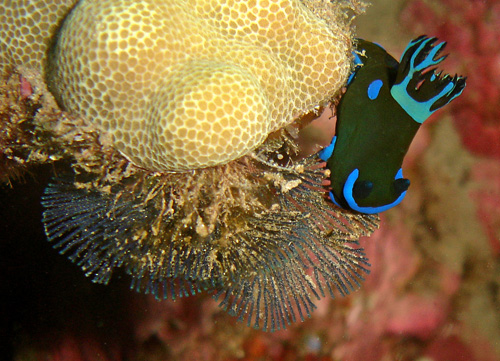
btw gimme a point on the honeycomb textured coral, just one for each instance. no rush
(26, 29)
(182, 85)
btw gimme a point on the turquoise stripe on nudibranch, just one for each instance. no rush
(385, 103)
(421, 102)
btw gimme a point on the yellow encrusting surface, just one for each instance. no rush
(186, 84)
(26, 29)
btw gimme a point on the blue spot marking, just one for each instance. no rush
(348, 186)
(327, 152)
(374, 88)
(357, 63)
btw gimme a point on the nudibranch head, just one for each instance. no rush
(180, 86)
(377, 118)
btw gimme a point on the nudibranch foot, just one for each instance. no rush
(255, 234)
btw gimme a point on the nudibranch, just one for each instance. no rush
(383, 107)
(173, 118)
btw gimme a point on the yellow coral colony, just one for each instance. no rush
(182, 84)
(26, 29)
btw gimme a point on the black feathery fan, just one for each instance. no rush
(268, 268)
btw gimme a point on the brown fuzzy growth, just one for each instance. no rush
(33, 130)
(24, 139)
(260, 235)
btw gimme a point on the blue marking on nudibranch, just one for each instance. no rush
(327, 152)
(374, 89)
(348, 188)
(351, 76)
(357, 62)
(405, 92)
(332, 197)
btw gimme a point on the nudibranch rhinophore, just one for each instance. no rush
(384, 105)
(173, 123)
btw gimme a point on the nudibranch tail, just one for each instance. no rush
(418, 89)
(352, 185)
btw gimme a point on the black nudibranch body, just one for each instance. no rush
(377, 118)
